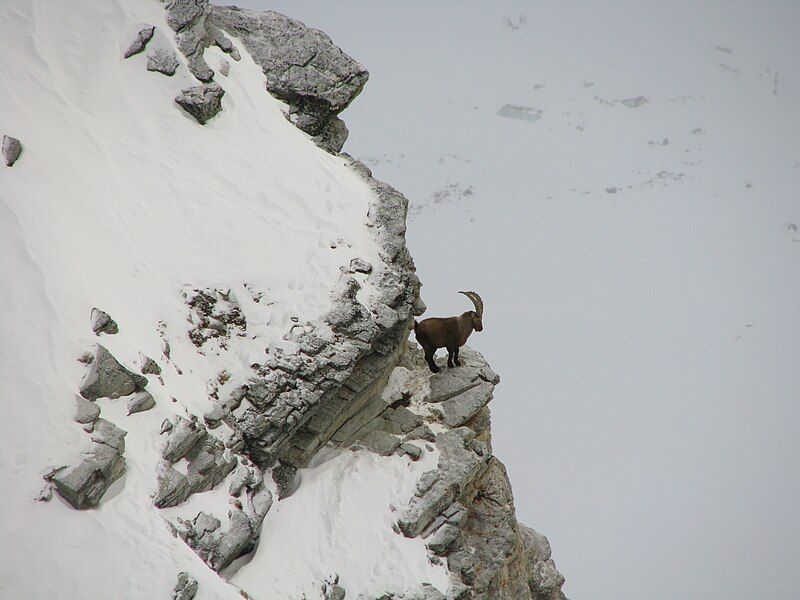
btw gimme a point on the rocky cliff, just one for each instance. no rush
(236, 400)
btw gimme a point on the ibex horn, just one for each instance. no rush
(476, 300)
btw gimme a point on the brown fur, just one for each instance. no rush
(450, 333)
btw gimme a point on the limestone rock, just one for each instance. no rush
(139, 42)
(108, 378)
(105, 432)
(380, 442)
(284, 476)
(84, 483)
(303, 68)
(186, 588)
(459, 409)
(85, 411)
(181, 13)
(359, 265)
(162, 60)
(102, 322)
(140, 402)
(12, 148)
(148, 365)
(202, 101)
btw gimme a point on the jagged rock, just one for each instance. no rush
(12, 148)
(413, 451)
(202, 101)
(236, 542)
(183, 436)
(544, 579)
(441, 541)
(223, 43)
(456, 411)
(380, 442)
(335, 592)
(85, 411)
(224, 67)
(359, 265)
(102, 322)
(140, 402)
(461, 460)
(284, 475)
(105, 432)
(186, 588)
(162, 60)
(302, 66)
(208, 463)
(139, 42)
(181, 13)
(214, 315)
(172, 486)
(423, 432)
(86, 358)
(148, 365)
(107, 378)
(84, 483)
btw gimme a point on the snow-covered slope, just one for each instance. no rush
(262, 287)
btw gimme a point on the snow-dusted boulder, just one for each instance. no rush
(107, 378)
(162, 60)
(139, 41)
(12, 148)
(84, 483)
(203, 102)
(102, 322)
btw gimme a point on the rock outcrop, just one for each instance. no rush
(12, 148)
(162, 60)
(139, 42)
(107, 378)
(203, 102)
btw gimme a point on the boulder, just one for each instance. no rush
(202, 101)
(140, 402)
(181, 13)
(148, 365)
(105, 432)
(162, 60)
(85, 411)
(102, 322)
(140, 41)
(107, 378)
(12, 148)
(84, 483)
(186, 588)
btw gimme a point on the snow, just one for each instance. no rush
(121, 201)
(339, 521)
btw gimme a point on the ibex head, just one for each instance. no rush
(477, 314)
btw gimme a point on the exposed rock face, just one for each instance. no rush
(208, 463)
(84, 483)
(304, 68)
(107, 378)
(186, 588)
(202, 101)
(139, 42)
(163, 61)
(103, 323)
(12, 148)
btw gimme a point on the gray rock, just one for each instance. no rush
(237, 541)
(102, 322)
(462, 459)
(181, 13)
(335, 592)
(12, 148)
(84, 483)
(224, 67)
(85, 411)
(423, 432)
(544, 579)
(456, 411)
(140, 402)
(172, 486)
(186, 588)
(380, 442)
(139, 42)
(444, 538)
(148, 365)
(303, 68)
(107, 378)
(162, 60)
(105, 432)
(284, 476)
(183, 436)
(202, 102)
(412, 450)
(359, 265)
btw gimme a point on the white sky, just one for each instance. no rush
(643, 299)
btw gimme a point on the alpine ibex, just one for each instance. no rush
(450, 333)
